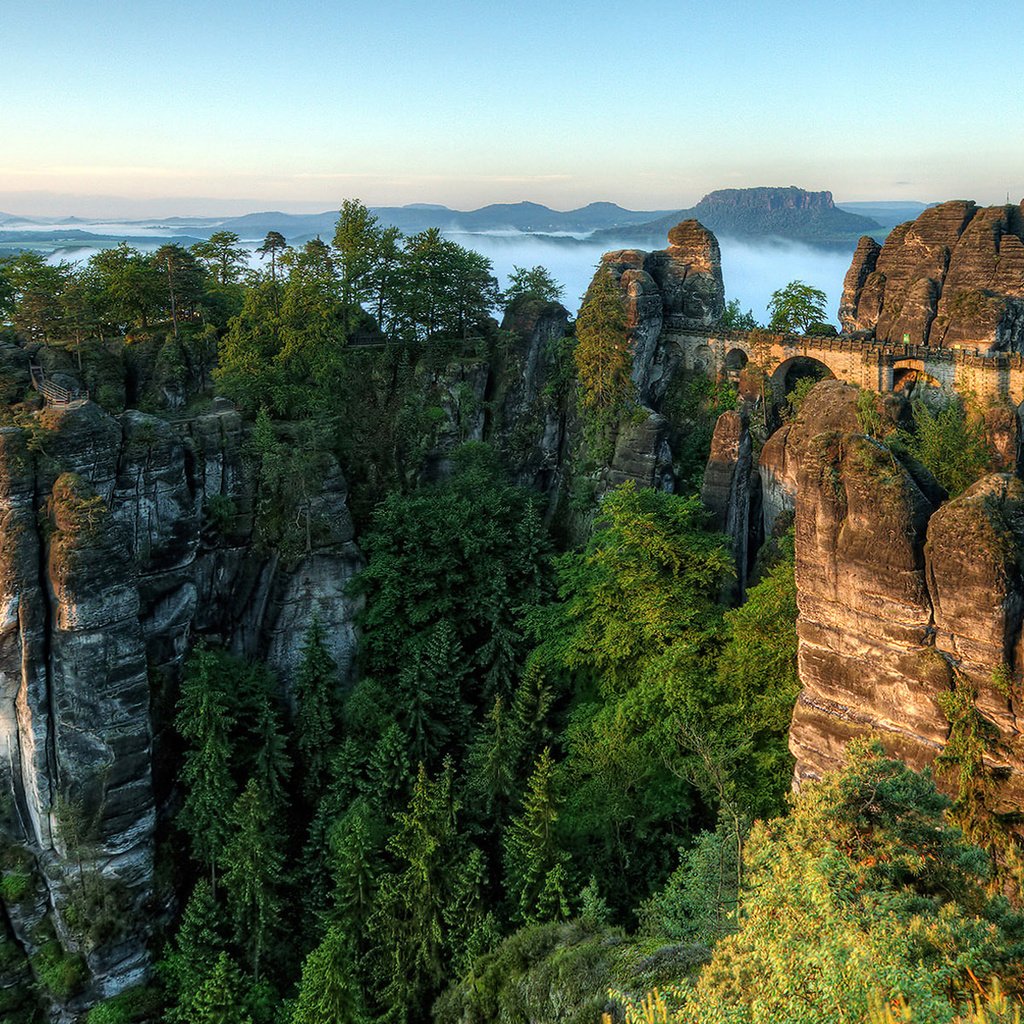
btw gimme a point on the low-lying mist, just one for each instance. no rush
(751, 271)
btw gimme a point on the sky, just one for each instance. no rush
(152, 108)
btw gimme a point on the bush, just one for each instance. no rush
(130, 1006)
(61, 974)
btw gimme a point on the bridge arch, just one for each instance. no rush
(910, 373)
(735, 360)
(790, 371)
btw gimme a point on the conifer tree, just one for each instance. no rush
(315, 713)
(191, 959)
(535, 866)
(204, 721)
(328, 993)
(219, 999)
(254, 865)
(603, 356)
(411, 938)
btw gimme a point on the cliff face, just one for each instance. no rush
(954, 276)
(902, 598)
(110, 564)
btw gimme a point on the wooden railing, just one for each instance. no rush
(53, 394)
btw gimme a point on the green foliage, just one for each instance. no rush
(535, 283)
(758, 686)
(449, 571)
(633, 637)
(866, 882)
(316, 709)
(253, 870)
(692, 405)
(734, 319)
(535, 865)
(15, 886)
(796, 307)
(328, 993)
(62, 974)
(796, 398)
(414, 933)
(191, 958)
(699, 902)
(204, 721)
(972, 740)
(219, 999)
(128, 1007)
(949, 442)
(604, 359)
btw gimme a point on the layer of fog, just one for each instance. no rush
(751, 271)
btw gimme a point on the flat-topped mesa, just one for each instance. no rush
(953, 277)
(679, 286)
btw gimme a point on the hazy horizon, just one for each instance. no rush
(286, 104)
(98, 208)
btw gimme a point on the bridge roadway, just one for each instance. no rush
(988, 376)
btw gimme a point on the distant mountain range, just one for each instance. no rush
(755, 213)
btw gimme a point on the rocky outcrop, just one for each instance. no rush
(121, 540)
(532, 394)
(642, 454)
(864, 613)
(954, 276)
(903, 597)
(726, 489)
(679, 286)
(772, 212)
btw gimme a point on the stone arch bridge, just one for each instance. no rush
(987, 376)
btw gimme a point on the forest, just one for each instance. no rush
(556, 786)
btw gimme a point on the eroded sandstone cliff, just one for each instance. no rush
(111, 564)
(954, 276)
(903, 597)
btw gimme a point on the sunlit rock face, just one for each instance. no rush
(902, 596)
(110, 566)
(679, 287)
(953, 277)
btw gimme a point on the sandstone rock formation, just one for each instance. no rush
(680, 286)
(110, 564)
(902, 597)
(726, 490)
(954, 276)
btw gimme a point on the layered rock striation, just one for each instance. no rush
(111, 564)
(953, 277)
(903, 597)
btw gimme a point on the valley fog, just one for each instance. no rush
(752, 271)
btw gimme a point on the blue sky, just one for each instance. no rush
(200, 107)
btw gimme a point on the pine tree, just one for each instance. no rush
(219, 999)
(254, 865)
(192, 956)
(328, 993)
(603, 357)
(535, 868)
(204, 721)
(412, 945)
(354, 854)
(492, 765)
(315, 713)
(430, 707)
